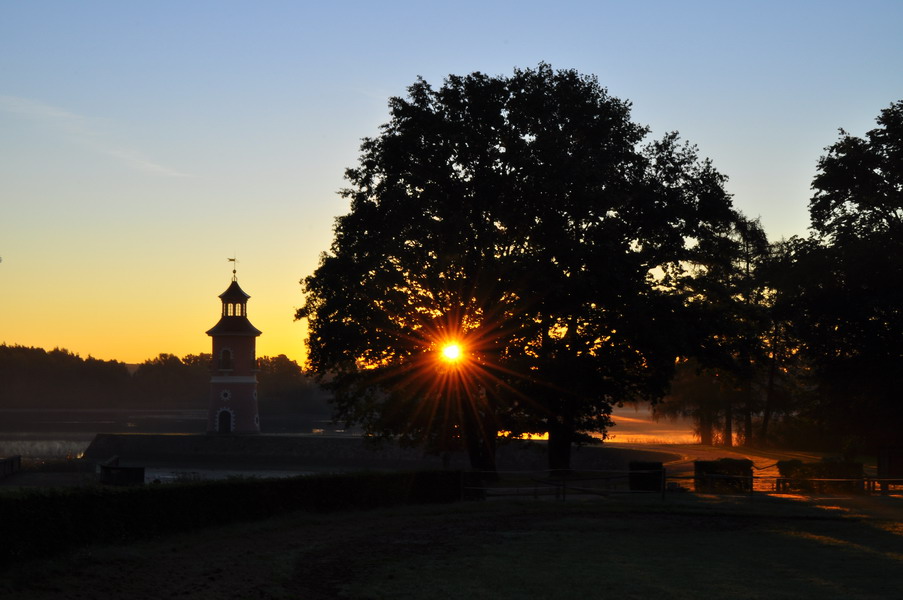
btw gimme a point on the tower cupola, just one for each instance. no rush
(234, 319)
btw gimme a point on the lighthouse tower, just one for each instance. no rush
(233, 377)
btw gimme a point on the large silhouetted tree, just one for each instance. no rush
(522, 216)
(845, 289)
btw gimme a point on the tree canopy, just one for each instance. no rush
(527, 218)
(859, 184)
(845, 292)
(34, 377)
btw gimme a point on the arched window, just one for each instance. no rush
(225, 360)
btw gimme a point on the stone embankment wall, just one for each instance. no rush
(253, 450)
(326, 452)
(10, 466)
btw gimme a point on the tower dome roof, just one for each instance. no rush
(234, 293)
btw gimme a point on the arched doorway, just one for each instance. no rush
(224, 419)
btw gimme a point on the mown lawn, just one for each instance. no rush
(636, 547)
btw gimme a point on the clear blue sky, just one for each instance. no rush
(143, 143)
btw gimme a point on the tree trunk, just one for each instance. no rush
(727, 436)
(489, 443)
(559, 446)
(747, 417)
(746, 386)
(480, 437)
(769, 398)
(706, 423)
(474, 453)
(481, 453)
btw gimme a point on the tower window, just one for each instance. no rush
(225, 360)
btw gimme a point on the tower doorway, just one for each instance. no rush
(224, 422)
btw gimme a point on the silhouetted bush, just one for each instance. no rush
(45, 522)
(794, 476)
(723, 475)
(645, 476)
(798, 476)
(832, 468)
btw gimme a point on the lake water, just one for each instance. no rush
(67, 433)
(59, 433)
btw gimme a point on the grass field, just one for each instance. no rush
(686, 546)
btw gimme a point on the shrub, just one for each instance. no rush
(37, 523)
(795, 476)
(723, 475)
(645, 476)
(798, 476)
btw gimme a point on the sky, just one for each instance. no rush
(142, 144)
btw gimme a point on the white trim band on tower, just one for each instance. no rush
(235, 379)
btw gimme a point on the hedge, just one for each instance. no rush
(729, 475)
(797, 476)
(43, 522)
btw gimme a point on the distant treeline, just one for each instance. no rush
(38, 378)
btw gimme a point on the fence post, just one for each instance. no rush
(664, 481)
(564, 486)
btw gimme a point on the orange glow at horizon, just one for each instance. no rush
(526, 436)
(132, 321)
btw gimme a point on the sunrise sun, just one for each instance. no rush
(451, 352)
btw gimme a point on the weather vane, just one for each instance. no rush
(234, 262)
